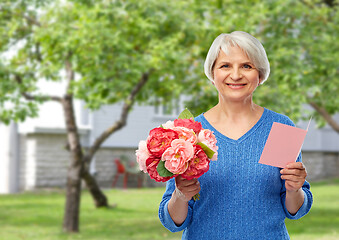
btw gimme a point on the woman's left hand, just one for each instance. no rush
(294, 175)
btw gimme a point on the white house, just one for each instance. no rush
(33, 154)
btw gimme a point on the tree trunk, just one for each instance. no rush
(73, 188)
(100, 200)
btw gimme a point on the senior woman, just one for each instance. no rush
(239, 198)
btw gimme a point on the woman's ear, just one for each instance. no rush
(260, 80)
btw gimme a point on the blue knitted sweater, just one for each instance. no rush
(239, 198)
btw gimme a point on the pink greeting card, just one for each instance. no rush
(283, 145)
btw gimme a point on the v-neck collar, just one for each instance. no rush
(243, 137)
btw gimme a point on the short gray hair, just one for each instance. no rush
(249, 44)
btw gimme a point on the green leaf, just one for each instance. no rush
(196, 197)
(209, 152)
(163, 172)
(186, 114)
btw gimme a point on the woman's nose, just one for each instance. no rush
(236, 74)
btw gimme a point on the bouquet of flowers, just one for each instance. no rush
(177, 147)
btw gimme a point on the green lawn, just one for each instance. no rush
(322, 222)
(38, 216)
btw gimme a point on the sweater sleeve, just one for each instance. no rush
(308, 199)
(164, 215)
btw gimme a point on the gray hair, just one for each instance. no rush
(249, 44)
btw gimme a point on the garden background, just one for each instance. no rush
(147, 53)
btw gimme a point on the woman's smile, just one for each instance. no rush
(236, 85)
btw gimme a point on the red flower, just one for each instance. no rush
(159, 140)
(152, 164)
(188, 123)
(198, 165)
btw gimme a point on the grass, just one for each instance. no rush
(322, 222)
(39, 216)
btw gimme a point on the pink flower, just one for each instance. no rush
(168, 125)
(159, 140)
(186, 134)
(188, 123)
(142, 155)
(152, 164)
(207, 137)
(198, 165)
(177, 156)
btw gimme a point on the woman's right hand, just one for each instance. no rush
(186, 189)
(183, 193)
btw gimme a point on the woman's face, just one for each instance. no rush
(235, 76)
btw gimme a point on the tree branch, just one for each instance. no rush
(69, 74)
(322, 111)
(123, 118)
(37, 52)
(31, 97)
(44, 98)
(32, 20)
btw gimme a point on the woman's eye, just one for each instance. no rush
(247, 66)
(225, 66)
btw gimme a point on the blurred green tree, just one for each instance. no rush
(106, 52)
(301, 41)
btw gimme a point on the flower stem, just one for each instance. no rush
(196, 197)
